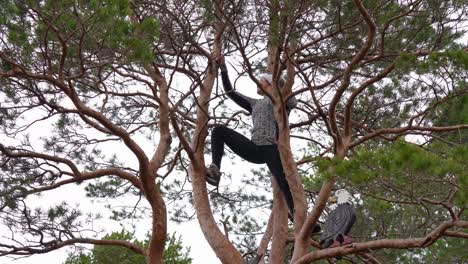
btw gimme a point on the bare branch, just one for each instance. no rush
(53, 245)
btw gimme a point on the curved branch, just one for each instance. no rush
(53, 245)
(13, 153)
(81, 107)
(319, 206)
(77, 175)
(359, 90)
(347, 74)
(402, 130)
(93, 175)
(420, 242)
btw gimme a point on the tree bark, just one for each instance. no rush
(262, 248)
(420, 242)
(159, 229)
(280, 226)
(223, 248)
(153, 194)
(289, 165)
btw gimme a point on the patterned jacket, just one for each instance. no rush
(265, 128)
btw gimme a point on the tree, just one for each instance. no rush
(173, 253)
(126, 90)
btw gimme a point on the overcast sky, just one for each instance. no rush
(74, 195)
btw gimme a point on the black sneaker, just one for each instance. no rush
(213, 175)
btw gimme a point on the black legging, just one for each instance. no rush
(251, 152)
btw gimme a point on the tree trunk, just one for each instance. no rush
(223, 248)
(159, 230)
(284, 148)
(280, 226)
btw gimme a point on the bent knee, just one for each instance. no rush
(218, 129)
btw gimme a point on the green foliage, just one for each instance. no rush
(64, 215)
(458, 56)
(395, 161)
(84, 25)
(174, 252)
(453, 112)
(449, 113)
(110, 254)
(208, 9)
(78, 259)
(275, 27)
(446, 250)
(102, 48)
(392, 179)
(454, 57)
(104, 188)
(402, 163)
(406, 61)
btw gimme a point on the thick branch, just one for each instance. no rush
(347, 74)
(223, 248)
(319, 206)
(82, 108)
(420, 242)
(358, 91)
(14, 153)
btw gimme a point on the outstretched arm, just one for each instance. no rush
(240, 99)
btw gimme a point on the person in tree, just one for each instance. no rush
(262, 147)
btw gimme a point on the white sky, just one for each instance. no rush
(190, 232)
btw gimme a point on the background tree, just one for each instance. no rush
(127, 93)
(174, 253)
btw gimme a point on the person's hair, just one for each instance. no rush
(269, 78)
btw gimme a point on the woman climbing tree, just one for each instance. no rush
(262, 147)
